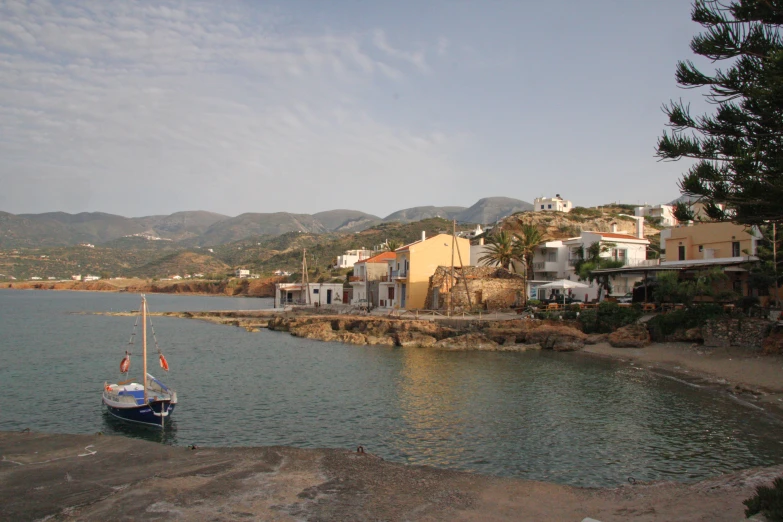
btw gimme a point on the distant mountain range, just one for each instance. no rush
(200, 228)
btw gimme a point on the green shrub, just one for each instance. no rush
(747, 302)
(664, 325)
(768, 501)
(609, 317)
(533, 302)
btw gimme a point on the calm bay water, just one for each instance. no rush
(542, 416)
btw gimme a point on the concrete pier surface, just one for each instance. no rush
(97, 477)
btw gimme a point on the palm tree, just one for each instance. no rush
(525, 245)
(391, 246)
(590, 259)
(500, 250)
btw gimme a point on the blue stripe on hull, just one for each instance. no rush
(142, 414)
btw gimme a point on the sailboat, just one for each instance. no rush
(150, 402)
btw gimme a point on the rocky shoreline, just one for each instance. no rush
(742, 372)
(97, 477)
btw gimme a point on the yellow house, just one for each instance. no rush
(708, 241)
(416, 262)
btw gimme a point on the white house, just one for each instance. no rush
(177, 277)
(555, 260)
(351, 257)
(316, 294)
(242, 273)
(367, 276)
(664, 212)
(91, 278)
(555, 204)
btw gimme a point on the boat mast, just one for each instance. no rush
(144, 343)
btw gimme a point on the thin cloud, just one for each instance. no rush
(152, 109)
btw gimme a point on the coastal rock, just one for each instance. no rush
(466, 342)
(415, 339)
(631, 336)
(596, 338)
(351, 338)
(773, 343)
(557, 338)
(503, 335)
(318, 331)
(425, 327)
(382, 340)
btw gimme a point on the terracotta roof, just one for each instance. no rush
(379, 258)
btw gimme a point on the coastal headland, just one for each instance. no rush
(231, 287)
(96, 477)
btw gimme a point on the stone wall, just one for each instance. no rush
(748, 332)
(490, 288)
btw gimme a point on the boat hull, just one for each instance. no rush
(149, 414)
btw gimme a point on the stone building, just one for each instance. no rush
(489, 287)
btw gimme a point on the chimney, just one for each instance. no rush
(640, 227)
(423, 235)
(614, 228)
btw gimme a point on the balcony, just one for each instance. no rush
(399, 274)
(356, 279)
(546, 266)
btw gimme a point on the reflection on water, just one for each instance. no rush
(543, 416)
(114, 426)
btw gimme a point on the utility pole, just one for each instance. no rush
(305, 279)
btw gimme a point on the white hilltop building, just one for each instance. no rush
(555, 204)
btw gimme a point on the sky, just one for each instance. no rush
(144, 108)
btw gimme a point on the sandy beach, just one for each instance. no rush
(742, 372)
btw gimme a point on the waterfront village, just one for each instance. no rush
(461, 272)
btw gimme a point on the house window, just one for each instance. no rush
(542, 207)
(701, 248)
(315, 290)
(735, 249)
(619, 254)
(549, 206)
(552, 256)
(391, 293)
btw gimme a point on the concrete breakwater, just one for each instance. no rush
(95, 477)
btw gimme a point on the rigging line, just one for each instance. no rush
(133, 332)
(152, 328)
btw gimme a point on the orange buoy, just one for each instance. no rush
(125, 363)
(163, 363)
(108, 388)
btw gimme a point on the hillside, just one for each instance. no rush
(257, 224)
(346, 220)
(559, 225)
(181, 263)
(409, 215)
(489, 210)
(284, 252)
(89, 227)
(179, 225)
